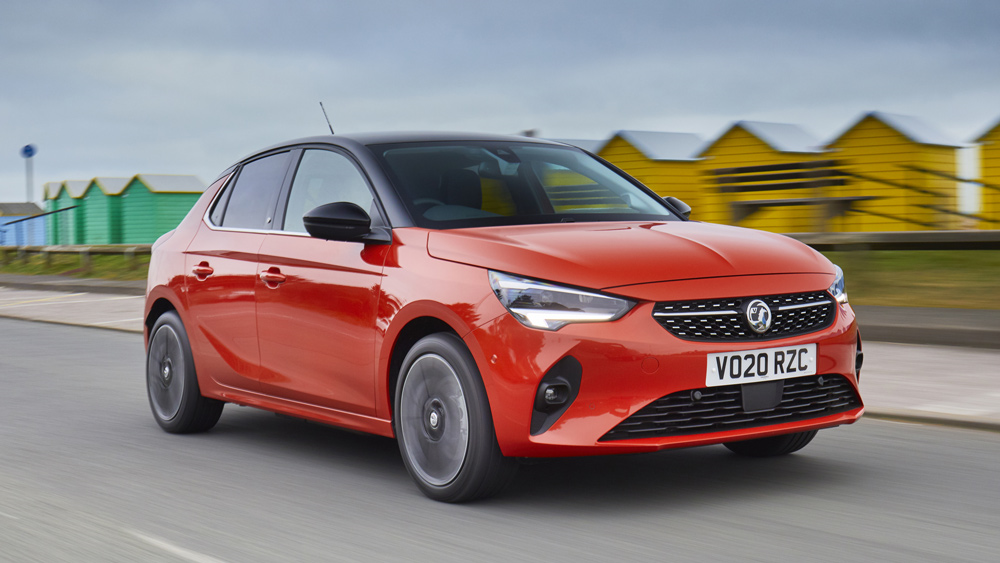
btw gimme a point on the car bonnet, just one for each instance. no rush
(609, 255)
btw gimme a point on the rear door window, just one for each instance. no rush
(250, 203)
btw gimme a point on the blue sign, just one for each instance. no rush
(28, 151)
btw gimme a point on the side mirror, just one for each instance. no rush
(681, 207)
(337, 221)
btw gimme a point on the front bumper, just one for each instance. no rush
(627, 365)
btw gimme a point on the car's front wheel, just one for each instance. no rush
(171, 381)
(773, 446)
(443, 423)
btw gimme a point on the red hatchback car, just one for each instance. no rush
(487, 298)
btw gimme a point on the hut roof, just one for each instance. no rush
(19, 209)
(781, 137)
(75, 188)
(171, 183)
(50, 190)
(914, 129)
(110, 186)
(660, 145)
(988, 132)
(158, 183)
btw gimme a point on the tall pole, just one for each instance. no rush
(29, 173)
(27, 152)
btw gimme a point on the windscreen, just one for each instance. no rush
(468, 184)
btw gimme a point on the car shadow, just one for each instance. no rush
(691, 477)
(679, 478)
(287, 437)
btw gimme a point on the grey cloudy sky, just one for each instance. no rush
(116, 88)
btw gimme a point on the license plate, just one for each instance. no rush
(766, 364)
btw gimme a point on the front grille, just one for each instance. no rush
(721, 408)
(724, 320)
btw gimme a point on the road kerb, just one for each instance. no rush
(938, 419)
(68, 323)
(84, 286)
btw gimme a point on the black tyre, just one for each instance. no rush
(444, 426)
(773, 446)
(171, 381)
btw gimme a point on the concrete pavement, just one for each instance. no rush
(101, 310)
(72, 285)
(959, 386)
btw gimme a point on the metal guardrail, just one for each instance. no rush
(887, 240)
(131, 252)
(947, 176)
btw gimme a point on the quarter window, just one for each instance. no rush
(252, 198)
(325, 177)
(219, 210)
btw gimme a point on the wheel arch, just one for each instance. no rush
(408, 335)
(161, 298)
(156, 310)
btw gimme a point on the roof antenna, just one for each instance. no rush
(327, 118)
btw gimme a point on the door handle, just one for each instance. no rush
(202, 271)
(272, 277)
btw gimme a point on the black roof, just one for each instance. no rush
(422, 136)
(392, 137)
(386, 137)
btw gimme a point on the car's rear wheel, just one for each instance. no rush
(171, 381)
(773, 446)
(443, 423)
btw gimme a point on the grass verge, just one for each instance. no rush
(111, 267)
(964, 279)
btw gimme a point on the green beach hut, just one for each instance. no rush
(152, 204)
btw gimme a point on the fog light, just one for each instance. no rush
(552, 395)
(556, 391)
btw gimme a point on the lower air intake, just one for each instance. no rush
(717, 409)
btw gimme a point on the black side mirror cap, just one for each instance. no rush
(681, 207)
(343, 221)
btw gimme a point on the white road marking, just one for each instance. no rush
(5, 515)
(954, 408)
(49, 301)
(888, 421)
(118, 321)
(44, 299)
(186, 554)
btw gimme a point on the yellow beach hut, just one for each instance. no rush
(757, 143)
(894, 158)
(666, 162)
(989, 162)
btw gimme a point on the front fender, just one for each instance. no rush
(412, 289)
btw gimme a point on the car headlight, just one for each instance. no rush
(838, 289)
(547, 306)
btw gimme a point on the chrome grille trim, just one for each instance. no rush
(804, 305)
(722, 320)
(696, 313)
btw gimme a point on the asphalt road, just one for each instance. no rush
(86, 475)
